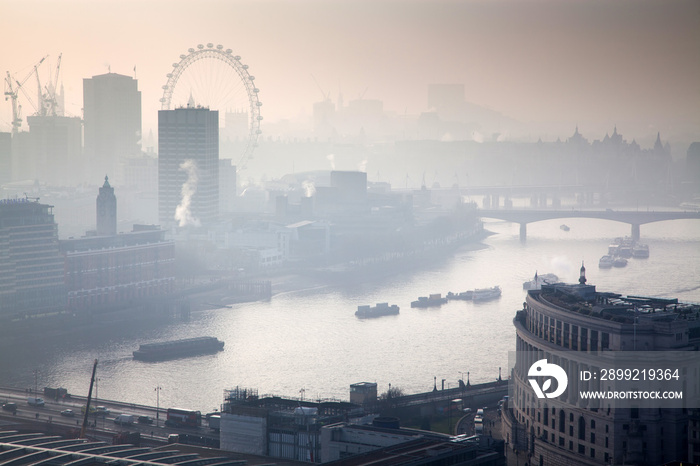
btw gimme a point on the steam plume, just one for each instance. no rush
(309, 188)
(183, 215)
(331, 158)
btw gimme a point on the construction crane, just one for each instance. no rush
(12, 92)
(46, 101)
(48, 104)
(87, 404)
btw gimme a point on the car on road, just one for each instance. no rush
(102, 410)
(67, 413)
(12, 407)
(145, 420)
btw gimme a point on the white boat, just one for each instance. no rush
(606, 262)
(539, 280)
(485, 294)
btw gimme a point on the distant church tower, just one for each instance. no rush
(106, 211)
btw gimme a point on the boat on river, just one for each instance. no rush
(381, 309)
(463, 296)
(640, 250)
(178, 348)
(433, 300)
(606, 262)
(619, 262)
(486, 294)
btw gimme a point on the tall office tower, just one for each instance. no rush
(112, 119)
(31, 265)
(576, 329)
(106, 210)
(55, 149)
(188, 166)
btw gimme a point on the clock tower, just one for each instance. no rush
(106, 210)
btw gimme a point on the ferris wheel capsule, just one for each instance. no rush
(210, 45)
(190, 50)
(182, 56)
(200, 46)
(237, 57)
(219, 47)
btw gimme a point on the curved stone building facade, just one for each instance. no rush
(573, 326)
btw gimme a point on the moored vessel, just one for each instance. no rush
(485, 294)
(381, 309)
(178, 348)
(640, 250)
(606, 261)
(463, 296)
(434, 299)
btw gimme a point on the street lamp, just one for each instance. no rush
(158, 389)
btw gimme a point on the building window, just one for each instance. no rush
(592, 452)
(592, 423)
(592, 437)
(562, 419)
(571, 445)
(581, 428)
(581, 449)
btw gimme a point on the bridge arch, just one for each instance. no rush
(633, 218)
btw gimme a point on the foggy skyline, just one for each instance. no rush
(550, 65)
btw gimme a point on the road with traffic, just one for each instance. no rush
(101, 419)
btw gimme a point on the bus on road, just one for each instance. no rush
(177, 417)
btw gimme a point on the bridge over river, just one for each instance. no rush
(634, 217)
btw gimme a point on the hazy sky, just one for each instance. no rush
(555, 64)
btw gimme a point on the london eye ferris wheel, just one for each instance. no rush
(213, 77)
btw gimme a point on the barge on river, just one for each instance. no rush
(178, 348)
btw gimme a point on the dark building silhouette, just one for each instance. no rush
(31, 265)
(106, 269)
(106, 210)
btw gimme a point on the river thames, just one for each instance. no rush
(308, 343)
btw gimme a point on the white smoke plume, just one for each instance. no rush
(331, 159)
(183, 215)
(362, 166)
(308, 187)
